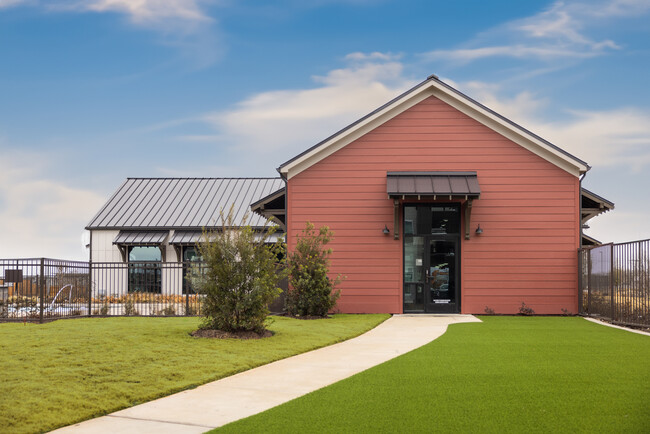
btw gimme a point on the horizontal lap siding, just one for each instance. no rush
(528, 211)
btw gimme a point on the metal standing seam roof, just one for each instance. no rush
(194, 237)
(433, 184)
(144, 238)
(185, 237)
(183, 203)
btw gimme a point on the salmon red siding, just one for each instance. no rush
(528, 210)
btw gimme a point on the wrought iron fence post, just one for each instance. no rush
(580, 280)
(41, 290)
(90, 287)
(589, 283)
(611, 280)
(187, 288)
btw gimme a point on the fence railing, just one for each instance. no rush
(41, 289)
(615, 282)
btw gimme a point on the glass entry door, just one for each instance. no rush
(440, 276)
(431, 258)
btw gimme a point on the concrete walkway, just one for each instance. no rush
(251, 392)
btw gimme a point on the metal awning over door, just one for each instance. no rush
(126, 239)
(140, 238)
(433, 185)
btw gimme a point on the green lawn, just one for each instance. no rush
(66, 371)
(508, 374)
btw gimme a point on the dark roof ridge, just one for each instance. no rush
(202, 177)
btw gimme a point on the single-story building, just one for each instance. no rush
(150, 222)
(437, 203)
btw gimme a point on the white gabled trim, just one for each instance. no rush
(433, 87)
(340, 141)
(519, 136)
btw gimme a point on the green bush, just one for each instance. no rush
(312, 292)
(239, 278)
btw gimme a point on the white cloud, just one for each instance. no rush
(516, 51)
(289, 121)
(559, 32)
(184, 25)
(12, 3)
(611, 137)
(147, 11)
(359, 56)
(41, 217)
(179, 14)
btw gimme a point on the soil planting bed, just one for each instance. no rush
(220, 334)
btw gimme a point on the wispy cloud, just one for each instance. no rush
(558, 33)
(150, 11)
(374, 56)
(39, 215)
(267, 128)
(184, 25)
(12, 3)
(140, 12)
(290, 120)
(609, 137)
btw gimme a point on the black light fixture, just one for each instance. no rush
(386, 231)
(479, 231)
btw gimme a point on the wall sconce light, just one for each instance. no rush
(386, 231)
(479, 231)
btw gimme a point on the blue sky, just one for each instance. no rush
(93, 91)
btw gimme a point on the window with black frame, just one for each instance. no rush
(191, 259)
(145, 263)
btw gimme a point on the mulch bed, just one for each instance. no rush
(220, 334)
(305, 316)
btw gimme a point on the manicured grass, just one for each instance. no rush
(508, 374)
(67, 371)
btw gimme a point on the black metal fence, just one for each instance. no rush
(615, 282)
(40, 289)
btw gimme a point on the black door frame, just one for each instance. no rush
(429, 307)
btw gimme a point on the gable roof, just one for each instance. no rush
(433, 86)
(182, 203)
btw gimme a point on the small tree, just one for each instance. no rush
(312, 292)
(239, 278)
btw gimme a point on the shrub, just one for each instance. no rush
(526, 310)
(312, 292)
(489, 311)
(239, 277)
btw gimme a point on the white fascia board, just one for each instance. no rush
(466, 106)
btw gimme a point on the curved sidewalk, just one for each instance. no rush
(253, 391)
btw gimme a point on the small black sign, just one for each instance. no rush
(13, 276)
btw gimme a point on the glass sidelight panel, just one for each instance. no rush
(441, 274)
(414, 274)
